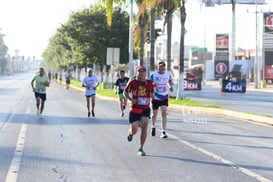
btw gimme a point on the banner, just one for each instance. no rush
(234, 86)
(221, 59)
(268, 45)
(192, 84)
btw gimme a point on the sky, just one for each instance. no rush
(203, 23)
(29, 24)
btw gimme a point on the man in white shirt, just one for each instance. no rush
(90, 82)
(162, 81)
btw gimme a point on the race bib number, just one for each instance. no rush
(161, 89)
(40, 89)
(143, 101)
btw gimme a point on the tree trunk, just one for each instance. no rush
(142, 23)
(180, 90)
(152, 37)
(169, 39)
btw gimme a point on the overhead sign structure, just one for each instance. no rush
(242, 1)
(211, 3)
(112, 56)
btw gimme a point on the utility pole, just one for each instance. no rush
(131, 72)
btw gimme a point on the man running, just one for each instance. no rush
(139, 91)
(41, 81)
(162, 81)
(68, 77)
(90, 82)
(121, 83)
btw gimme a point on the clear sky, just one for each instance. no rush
(28, 24)
(203, 23)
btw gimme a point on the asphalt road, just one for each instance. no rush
(68, 146)
(253, 101)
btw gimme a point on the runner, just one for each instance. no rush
(41, 81)
(162, 81)
(90, 82)
(67, 79)
(119, 87)
(139, 91)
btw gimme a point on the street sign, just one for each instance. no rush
(112, 56)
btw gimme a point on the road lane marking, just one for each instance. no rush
(17, 157)
(221, 159)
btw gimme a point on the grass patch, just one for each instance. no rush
(111, 93)
(189, 102)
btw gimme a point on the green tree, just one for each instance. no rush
(3, 60)
(84, 38)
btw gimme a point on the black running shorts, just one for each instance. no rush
(42, 96)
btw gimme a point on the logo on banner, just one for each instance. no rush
(269, 22)
(222, 42)
(221, 68)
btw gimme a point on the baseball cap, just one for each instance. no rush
(89, 69)
(141, 68)
(161, 63)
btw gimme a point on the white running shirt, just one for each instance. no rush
(161, 81)
(90, 82)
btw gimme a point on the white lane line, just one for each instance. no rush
(218, 158)
(17, 157)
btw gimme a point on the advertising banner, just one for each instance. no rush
(192, 84)
(268, 45)
(234, 86)
(221, 59)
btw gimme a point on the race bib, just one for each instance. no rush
(161, 89)
(143, 101)
(40, 89)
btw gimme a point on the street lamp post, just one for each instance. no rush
(257, 62)
(131, 42)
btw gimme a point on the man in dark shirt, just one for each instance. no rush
(119, 87)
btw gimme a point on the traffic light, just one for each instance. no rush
(148, 37)
(157, 32)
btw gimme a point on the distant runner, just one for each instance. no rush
(90, 82)
(41, 82)
(120, 85)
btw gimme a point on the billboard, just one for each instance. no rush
(268, 45)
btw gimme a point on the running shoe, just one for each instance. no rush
(122, 114)
(164, 135)
(93, 114)
(141, 152)
(124, 107)
(153, 131)
(129, 138)
(88, 114)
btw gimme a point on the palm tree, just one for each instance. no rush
(169, 8)
(183, 16)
